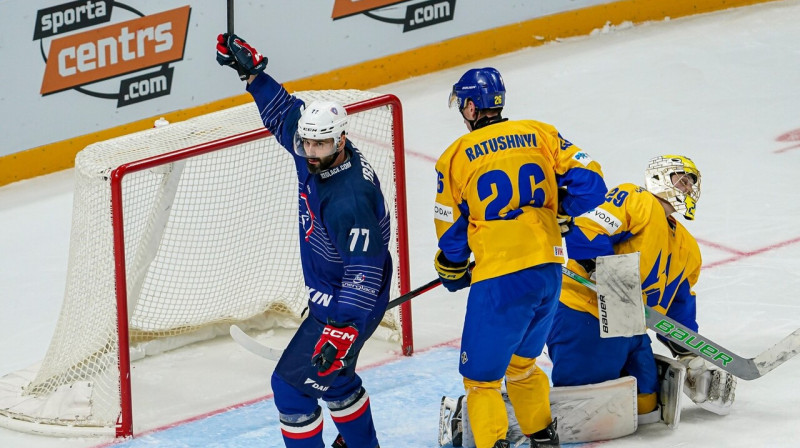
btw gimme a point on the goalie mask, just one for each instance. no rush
(320, 121)
(676, 180)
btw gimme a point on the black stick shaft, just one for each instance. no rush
(230, 16)
(417, 291)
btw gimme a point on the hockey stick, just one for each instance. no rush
(230, 16)
(242, 74)
(257, 348)
(744, 368)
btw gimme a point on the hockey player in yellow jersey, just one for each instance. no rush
(636, 219)
(498, 199)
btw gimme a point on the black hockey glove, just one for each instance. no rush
(564, 220)
(590, 266)
(236, 53)
(454, 276)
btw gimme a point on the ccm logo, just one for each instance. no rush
(339, 334)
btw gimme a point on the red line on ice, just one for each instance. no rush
(743, 254)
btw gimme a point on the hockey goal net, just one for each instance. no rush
(178, 232)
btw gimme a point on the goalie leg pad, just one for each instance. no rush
(671, 374)
(594, 412)
(587, 413)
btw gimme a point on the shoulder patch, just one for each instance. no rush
(606, 220)
(442, 212)
(583, 158)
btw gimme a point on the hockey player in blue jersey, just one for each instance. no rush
(344, 239)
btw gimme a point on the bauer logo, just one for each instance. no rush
(417, 15)
(80, 46)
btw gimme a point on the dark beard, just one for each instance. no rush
(324, 164)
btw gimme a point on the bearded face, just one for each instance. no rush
(317, 165)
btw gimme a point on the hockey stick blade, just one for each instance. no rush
(257, 348)
(253, 346)
(744, 368)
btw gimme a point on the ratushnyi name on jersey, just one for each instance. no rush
(500, 143)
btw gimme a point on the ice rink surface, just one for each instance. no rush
(722, 88)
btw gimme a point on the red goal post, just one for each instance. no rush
(180, 231)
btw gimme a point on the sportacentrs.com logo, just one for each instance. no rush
(78, 51)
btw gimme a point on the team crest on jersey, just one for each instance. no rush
(464, 357)
(358, 278)
(306, 216)
(563, 142)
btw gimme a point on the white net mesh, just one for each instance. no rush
(209, 240)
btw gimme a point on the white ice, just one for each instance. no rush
(722, 88)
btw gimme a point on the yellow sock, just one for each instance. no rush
(487, 412)
(529, 391)
(646, 403)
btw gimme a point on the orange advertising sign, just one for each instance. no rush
(116, 49)
(344, 8)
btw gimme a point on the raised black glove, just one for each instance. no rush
(236, 53)
(454, 276)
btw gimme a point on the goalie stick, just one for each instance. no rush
(253, 346)
(744, 368)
